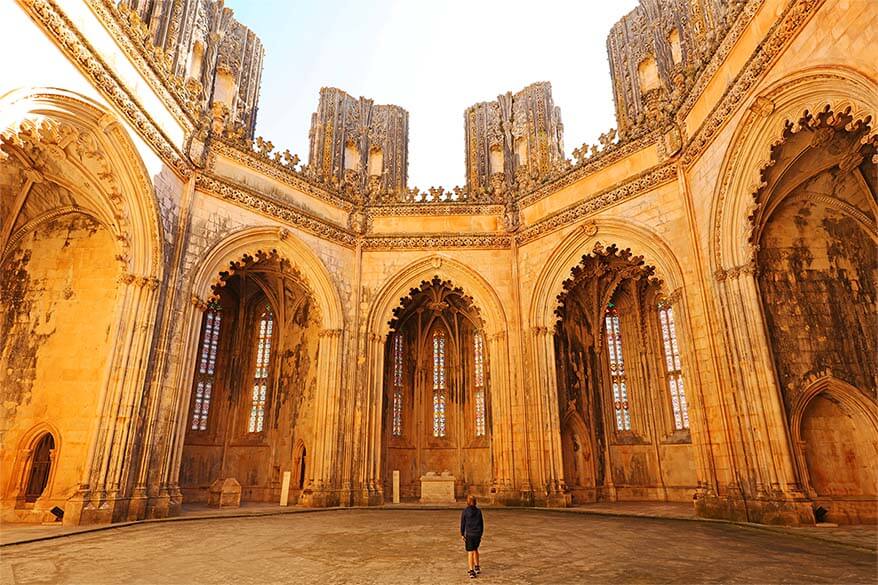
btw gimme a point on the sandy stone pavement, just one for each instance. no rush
(423, 546)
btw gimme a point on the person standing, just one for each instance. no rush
(472, 525)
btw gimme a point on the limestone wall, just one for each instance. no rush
(177, 198)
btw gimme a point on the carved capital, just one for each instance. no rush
(673, 298)
(735, 272)
(198, 302)
(33, 175)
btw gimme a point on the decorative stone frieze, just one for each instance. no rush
(282, 211)
(569, 215)
(80, 51)
(794, 17)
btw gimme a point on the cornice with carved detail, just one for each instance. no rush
(417, 209)
(65, 34)
(433, 241)
(606, 198)
(265, 205)
(149, 62)
(791, 21)
(591, 165)
(279, 172)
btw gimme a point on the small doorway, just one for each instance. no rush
(300, 468)
(41, 465)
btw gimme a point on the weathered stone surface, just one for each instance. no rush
(743, 174)
(381, 546)
(437, 488)
(225, 493)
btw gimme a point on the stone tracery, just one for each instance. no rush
(359, 238)
(437, 327)
(618, 436)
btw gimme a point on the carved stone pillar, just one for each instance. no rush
(104, 493)
(320, 488)
(169, 500)
(370, 481)
(547, 470)
(767, 490)
(501, 419)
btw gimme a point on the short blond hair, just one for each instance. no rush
(470, 500)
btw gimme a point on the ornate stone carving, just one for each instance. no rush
(793, 18)
(349, 134)
(281, 211)
(47, 14)
(514, 141)
(612, 196)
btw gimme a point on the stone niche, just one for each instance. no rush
(225, 493)
(437, 489)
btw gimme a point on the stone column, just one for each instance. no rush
(370, 479)
(500, 393)
(699, 422)
(320, 490)
(103, 494)
(769, 491)
(169, 500)
(547, 422)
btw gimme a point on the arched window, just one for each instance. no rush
(479, 363)
(260, 376)
(397, 385)
(41, 465)
(617, 369)
(439, 398)
(205, 375)
(673, 367)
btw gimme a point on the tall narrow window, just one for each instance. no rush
(479, 362)
(397, 384)
(439, 397)
(617, 369)
(260, 376)
(204, 377)
(674, 367)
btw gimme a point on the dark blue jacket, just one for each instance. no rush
(471, 521)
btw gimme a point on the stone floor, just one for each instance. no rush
(422, 546)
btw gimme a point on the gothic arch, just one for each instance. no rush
(473, 283)
(17, 479)
(853, 400)
(303, 258)
(89, 153)
(838, 88)
(496, 339)
(64, 143)
(624, 234)
(543, 375)
(854, 404)
(330, 315)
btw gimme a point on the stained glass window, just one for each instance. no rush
(397, 385)
(674, 367)
(439, 398)
(617, 369)
(479, 362)
(260, 376)
(204, 375)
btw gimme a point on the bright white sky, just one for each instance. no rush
(435, 59)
